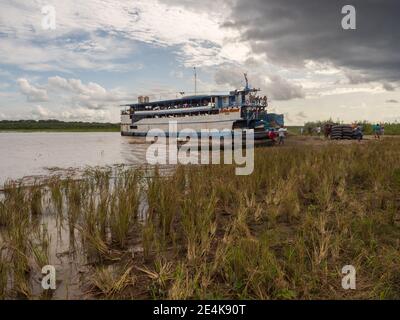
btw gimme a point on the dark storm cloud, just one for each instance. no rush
(292, 31)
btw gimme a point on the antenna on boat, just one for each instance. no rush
(195, 81)
(247, 80)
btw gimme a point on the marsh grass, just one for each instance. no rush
(40, 246)
(4, 274)
(108, 282)
(284, 232)
(124, 206)
(160, 277)
(198, 219)
(160, 230)
(35, 199)
(55, 186)
(4, 214)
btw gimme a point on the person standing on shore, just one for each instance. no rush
(327, 130)
(377, 131)
(358, 133)
(272, 135)
(281, 135)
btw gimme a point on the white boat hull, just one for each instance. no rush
(222, 121)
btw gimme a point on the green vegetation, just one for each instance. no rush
(55, 125)
(295, 130)
(390, 128)
(284, 232)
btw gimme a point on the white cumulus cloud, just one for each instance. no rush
(33, 94)
(91, 95)
(41, 113)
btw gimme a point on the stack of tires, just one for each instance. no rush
(336, 133)
(340, 132)
(347, 132)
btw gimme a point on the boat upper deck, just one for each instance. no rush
(195, 101)
(175, 111)
(235, 98)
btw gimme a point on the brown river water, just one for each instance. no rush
(37, 154)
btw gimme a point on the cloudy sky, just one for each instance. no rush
(104, 53)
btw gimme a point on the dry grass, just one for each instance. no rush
(109, 283)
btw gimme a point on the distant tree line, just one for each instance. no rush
(57, 125)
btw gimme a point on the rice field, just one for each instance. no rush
(201, 232)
